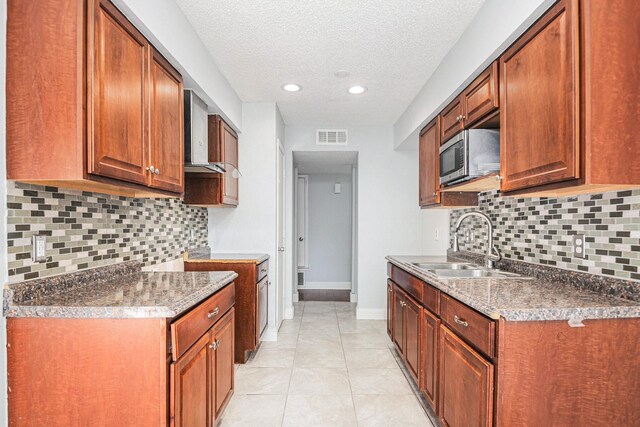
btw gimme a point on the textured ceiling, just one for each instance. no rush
(325, 162)
(389, 46)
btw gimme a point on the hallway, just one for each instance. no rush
(326, 369)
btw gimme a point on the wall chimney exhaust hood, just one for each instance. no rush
(196, 136)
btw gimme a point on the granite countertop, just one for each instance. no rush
(523, 300)
(113, 292)
(205, 255)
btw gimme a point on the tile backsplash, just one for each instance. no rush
(88, 229)
(540, 230)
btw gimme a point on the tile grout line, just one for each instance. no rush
(286, 399)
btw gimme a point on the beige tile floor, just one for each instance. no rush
(326, 369)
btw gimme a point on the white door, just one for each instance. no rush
(301, 220)
(280, 270)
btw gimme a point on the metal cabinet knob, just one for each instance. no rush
(498, 178)
(460, 321)
(213, 313)
(151, 169)
(157, 172)
(214, 345)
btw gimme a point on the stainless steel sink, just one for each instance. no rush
(477, 273)
(445, 266)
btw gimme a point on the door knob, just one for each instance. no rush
(281, 249)
(300, 239)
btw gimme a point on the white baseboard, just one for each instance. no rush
(288, 312)
(326, 285)
(270, 334)
(371, 313)
(354, 297)
(295, 297)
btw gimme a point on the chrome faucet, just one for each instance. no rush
(493, 254)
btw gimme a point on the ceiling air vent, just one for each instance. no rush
(331, 137)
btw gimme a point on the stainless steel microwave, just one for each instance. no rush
(469, 154)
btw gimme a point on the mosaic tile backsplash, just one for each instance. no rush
(88, 229)
(540, 230)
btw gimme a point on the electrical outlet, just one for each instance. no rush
(192, 233)
(578, 245)
(437, 234)
(39, 248)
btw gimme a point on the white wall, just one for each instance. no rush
(3, 209)
(389, 219)
(251, 227)
(497, 24)
(164, 24)
(329, 238)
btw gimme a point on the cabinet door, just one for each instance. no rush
(429, 166)
(166, 122)
(481, 97)
(190, 388)
(221, 374)
(451, 120)
(412, 313)
(398, 318)
(230, 154)
(465, 392)
(429, 356)
(390, 309)
(539, 120)
(118, 92)
(263, 306)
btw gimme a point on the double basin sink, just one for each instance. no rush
(457, 270)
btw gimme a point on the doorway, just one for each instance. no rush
(325, 224)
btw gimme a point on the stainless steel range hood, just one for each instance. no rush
(196, 136)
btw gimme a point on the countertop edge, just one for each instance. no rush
(521, 315)
(256, 261)
(74, 312)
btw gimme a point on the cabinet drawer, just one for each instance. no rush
(431, 298)
(262, 270)
(189, 328)
(474, 327)
(410, 284)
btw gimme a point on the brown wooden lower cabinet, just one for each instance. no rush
(190, 388)
(390, 309)
(466, 384)
(122, 371)
(412, 312)
(398, 318)
(252, 289)
(430, 325)
(477, 371)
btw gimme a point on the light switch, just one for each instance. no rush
(39, 248)
(337, 188)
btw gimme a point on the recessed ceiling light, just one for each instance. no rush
(291, 87)
(357, 90)
(342, 74)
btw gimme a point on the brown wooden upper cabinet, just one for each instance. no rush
(540, 99)
(98, 113)
(429, 168)
(477, 101)
(213, 189)
(568, 90)
(429, 173)
(227, 153)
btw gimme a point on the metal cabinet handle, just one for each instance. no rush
(460, 321)
(213, 313)
(498, 178)
(214, 345)
(151, 169)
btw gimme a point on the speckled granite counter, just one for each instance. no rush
(523, 300)
(205, 255)
(119, 291)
